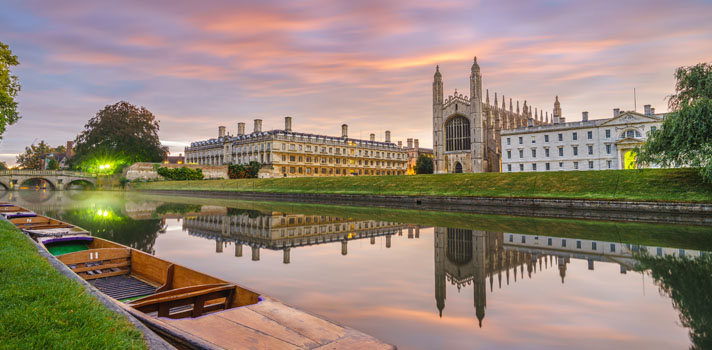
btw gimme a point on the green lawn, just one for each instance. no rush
(42, 309)
(683, 185)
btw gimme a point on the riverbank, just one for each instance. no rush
(649, 185)
(42, 309)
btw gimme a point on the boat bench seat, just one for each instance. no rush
(204, 298)
(98, 263)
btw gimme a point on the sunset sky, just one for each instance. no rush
(370, 64)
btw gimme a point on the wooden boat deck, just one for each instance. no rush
(122, 287)
(273, 325)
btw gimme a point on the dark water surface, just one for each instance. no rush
(425, 280)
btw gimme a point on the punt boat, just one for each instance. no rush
(190, 309)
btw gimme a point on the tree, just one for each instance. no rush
(32, 158)
(52, 164)
(9, 87)
(424, 165)
(3, 166)
(119, 134)
(685, 137)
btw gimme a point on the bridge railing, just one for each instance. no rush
(25, 172)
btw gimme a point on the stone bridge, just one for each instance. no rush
(57, 179)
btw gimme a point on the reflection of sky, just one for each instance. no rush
(389, 293)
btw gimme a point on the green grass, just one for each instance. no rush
(42, 309)
(680, 185)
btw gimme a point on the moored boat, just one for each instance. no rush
(189, 308)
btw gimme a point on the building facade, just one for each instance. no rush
(414, 152)
(583, 145)
(285, 153)
(466, 129)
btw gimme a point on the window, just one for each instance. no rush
(608, 149)
(509, 167)
(653, 128)
(521, 167)
(291, 147)
(575, 165)
(292, 170)
(534, 166)
(521, 153)
(631, 134)
(524, 239)
(590, 164)
(511, 238)
(548, 167)
(546, 152)
(575, 150)
(613, 248)
(291, 158)
(609, 164)
(533, 139)
(561, 151)
(608, 133)
(594, 246)
(509, 154)
(561, 164)
(574, 136)
(284, 158)
(546, 138)
(457, 134)
(561, 137)
(533, 152)
(521, 140)
(590, 135)
(509, 141)
(563, 243)
(590, 149)
(578, 244)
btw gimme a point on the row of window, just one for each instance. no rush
(561, 151)
(325, 160)
(338, 171)
(547, 166)
(630, 133)
(344, 151)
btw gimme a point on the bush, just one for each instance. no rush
(239, 171)
(424, 165)
(183, 173)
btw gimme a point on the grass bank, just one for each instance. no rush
(678, 185)
(42, 309)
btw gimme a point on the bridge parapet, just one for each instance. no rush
(29, 172)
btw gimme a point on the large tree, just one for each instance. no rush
(118, 135)
(9, 87)
(424, 165)
(685, 137)
(32, 158)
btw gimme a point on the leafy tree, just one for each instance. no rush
(688, 283)
(118, 134)
(183, 173)
(239, 171)
(9, 87)
(424, 165)
(32, 158)
(52, 164)
(3, 166)
(685, 137)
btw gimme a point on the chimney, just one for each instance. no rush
(530, 121)
(416, 144)
(410, 143)
(647, 110)
(258, 125)
(652, 111)
(287, 124)
(221, 131)
(616, 112)
(70, 149)
(584, 116)
(388, 136)
(400, 144)
(240, 129)
(373, 137)
(344, 130)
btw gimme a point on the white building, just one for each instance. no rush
(586, 145)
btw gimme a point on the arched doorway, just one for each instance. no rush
(458, 168)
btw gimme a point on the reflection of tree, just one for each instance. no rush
(688, 282)
(111, 225)
(178, 208)
(249, 212)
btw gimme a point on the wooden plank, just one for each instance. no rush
(104, 274)
(124, 263)
(94, 255)
(356, 340)
(320, 330)
(180, 293)
(254, 320)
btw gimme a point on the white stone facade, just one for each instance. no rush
(586, 145)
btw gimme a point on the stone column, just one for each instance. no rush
(255, 253)
(238, 250)
(286, 256)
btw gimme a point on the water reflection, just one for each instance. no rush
(372, 268)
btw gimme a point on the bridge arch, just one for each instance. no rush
(5, 185)
(79, 181)
(25, 179)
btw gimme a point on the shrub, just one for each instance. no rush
(239, 171)
(183, 173)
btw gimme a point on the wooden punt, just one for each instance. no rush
(191, 309)
(9, 211)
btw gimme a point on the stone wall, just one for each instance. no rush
(147, 171)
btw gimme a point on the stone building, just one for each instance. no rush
(583, 145)
(285, 153)
(414, 151)
(466, 129)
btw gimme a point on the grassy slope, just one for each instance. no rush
(646, 185)
(42, 309)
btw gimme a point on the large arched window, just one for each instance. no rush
(457, 134)
(459, 245)
(631, 133)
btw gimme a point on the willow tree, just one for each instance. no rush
(118, 135)
(9, 87)
(685, 137)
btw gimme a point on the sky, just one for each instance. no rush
(369, 64)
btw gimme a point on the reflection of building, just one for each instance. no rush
(282, 231)
(289, 153)
(469, 257)
(586, 145)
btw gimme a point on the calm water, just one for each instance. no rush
(423, 280)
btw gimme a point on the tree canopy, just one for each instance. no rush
(118, 135)
(32, 158)
(424, 165)
(685, 137)
(9, 87)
